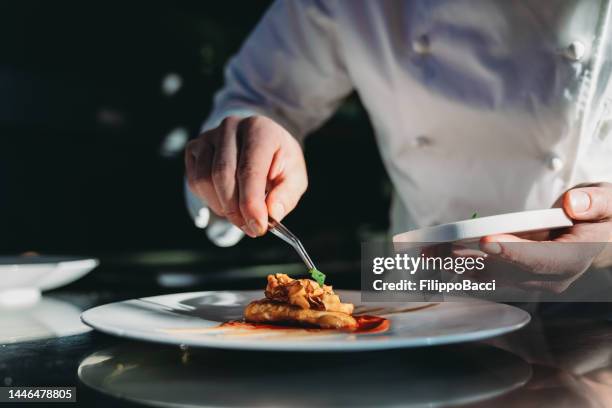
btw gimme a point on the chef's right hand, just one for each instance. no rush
(245, 169)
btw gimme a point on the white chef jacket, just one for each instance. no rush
(478, 105)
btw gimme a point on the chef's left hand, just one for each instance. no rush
(556, 259)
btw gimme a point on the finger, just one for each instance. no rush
(190, 160)
(587, 233)
(440, 250)
(545, 286)
(460, 251)
(427, 251)
(286, 190)
(555, 259)
(493, 271)
(199, 173)
(529, 255)
(224, 171)
(589, 203)
(543, 235)
(193, 149)
(256, 153)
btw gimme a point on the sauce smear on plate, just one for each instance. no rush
(365, 324)
(371, 324)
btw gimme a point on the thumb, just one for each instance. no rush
(284, 196)
(589, 203)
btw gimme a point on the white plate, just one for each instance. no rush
(193, 319)
(476, 228)
(42, 272)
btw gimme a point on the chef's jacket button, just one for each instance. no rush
(575, 51)
(420, 45)
(554, 162)
(421, 141)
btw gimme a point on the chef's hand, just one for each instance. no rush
(554, 261)
(245, 169)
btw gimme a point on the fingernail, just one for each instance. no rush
(277, 211)
(255, 228)
(491, 248)
(579, 201)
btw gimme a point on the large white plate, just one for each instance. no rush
(193, 319)
(473, 229)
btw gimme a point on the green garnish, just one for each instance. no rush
(318, 276)
(475, 215)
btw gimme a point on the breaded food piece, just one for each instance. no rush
(305, 294)
(269, 311)
(302, 302)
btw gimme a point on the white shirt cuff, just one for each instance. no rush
(220, 231)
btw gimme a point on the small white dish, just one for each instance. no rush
(476, 228)
(194, 319)
(24, 277)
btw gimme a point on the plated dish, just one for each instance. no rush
(305, 303)
(218, 319)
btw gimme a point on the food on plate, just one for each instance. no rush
(305, 293)
(267, 311)
(301, 302)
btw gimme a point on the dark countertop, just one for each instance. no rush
(562, 358)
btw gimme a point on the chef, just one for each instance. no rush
(494, 105)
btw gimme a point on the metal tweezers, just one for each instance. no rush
(278, 229)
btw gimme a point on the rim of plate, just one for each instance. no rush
(363, 344)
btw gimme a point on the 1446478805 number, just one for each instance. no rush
(38, 394)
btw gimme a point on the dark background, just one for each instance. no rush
(83, 118)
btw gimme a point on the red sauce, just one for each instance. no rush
(371, 324)
(365, 324)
